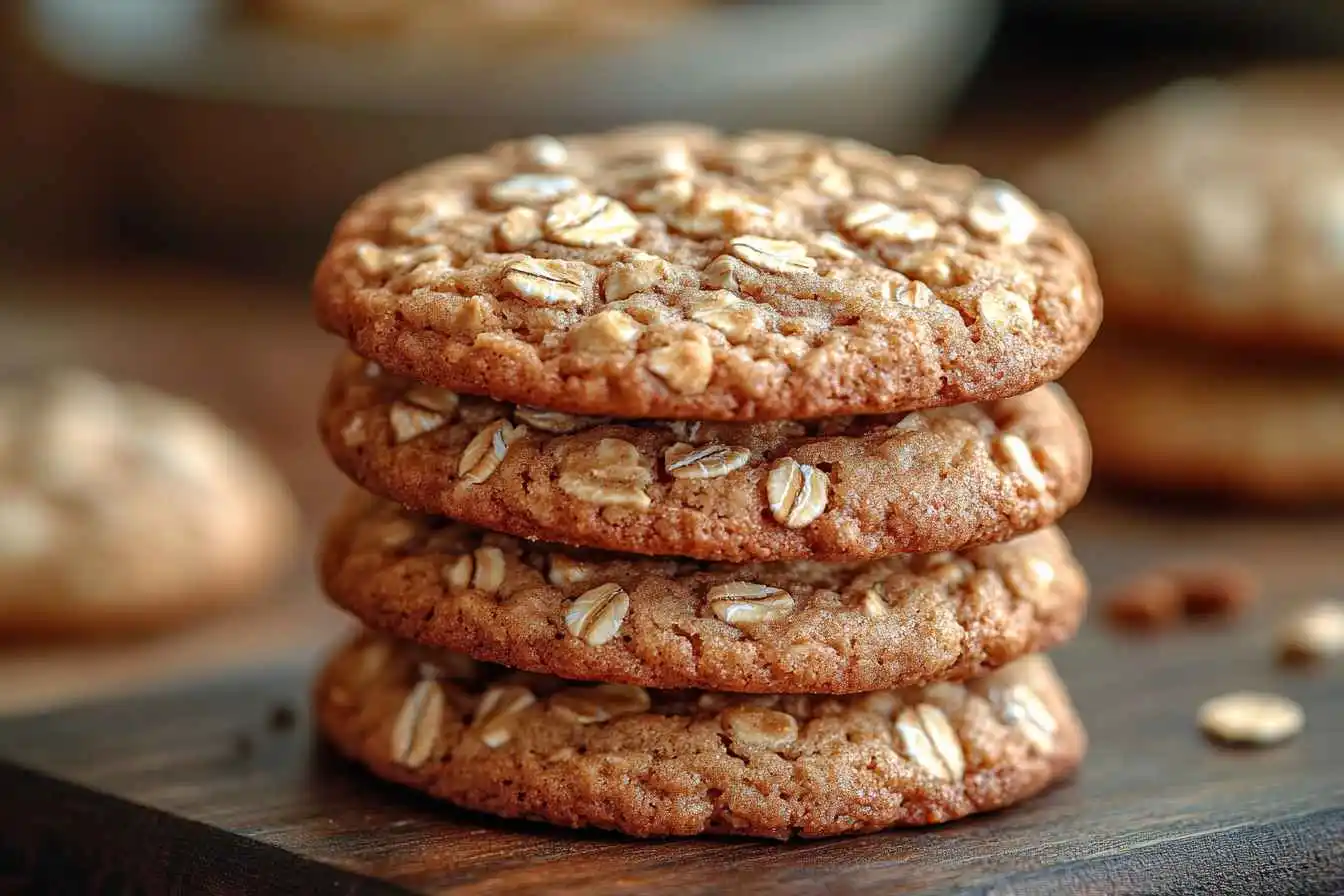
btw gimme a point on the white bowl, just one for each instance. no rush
(252, 142)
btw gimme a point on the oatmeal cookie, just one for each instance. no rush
(841, 488)
(672, 272)
(1215, 209)
(1197, 420)
(123, 510)
(690, 762)
(670, 622)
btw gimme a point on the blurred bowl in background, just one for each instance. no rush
(246, 142)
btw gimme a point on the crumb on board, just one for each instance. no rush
(1252, 719)
(1164, 597)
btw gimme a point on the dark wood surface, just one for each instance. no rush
(194, 786)
(189, 791)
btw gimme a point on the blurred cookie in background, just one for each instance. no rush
(475, 24)
(1215, 209)
(1215, 212)
(124, 510)
(1172, 416)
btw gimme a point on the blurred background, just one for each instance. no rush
(170, 170)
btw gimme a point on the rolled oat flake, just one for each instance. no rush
(1250, 718)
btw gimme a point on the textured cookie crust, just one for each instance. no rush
(782, 627)
(1217, 208)
(691, 762)
(1188, 420)
(126, 510)
(672, 272)
(835, 489)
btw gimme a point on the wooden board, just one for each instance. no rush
(193, 787)
(190, 790)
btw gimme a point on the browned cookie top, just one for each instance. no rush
(770, 627)
(838, 488)
(691, 762)
(1216, 208)
(673, 272)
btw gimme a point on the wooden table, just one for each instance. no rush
(192, 787)
(195, 787)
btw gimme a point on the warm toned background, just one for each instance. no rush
(93, 274)
(244, 348)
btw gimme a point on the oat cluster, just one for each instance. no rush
(764, 422)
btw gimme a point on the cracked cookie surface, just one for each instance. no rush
(834, 489)
(677, 273)
(664, 622)
(655, 763)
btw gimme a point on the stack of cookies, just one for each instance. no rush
(714, 484)
(1216, 209)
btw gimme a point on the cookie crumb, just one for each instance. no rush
(1146, 603)
(281, 718)
(1217, 588)
(1162, 598)
(1312, 634)
(1249, 718)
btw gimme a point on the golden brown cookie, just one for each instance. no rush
(1267, 429)
(1216, 209)
(664, 622)
(692, 762)
(672, 272)
(123, 509)
(832, 489)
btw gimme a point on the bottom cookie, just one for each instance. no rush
(657, 763)
(1264, 428)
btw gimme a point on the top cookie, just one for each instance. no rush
(1217, 208)
(672, 272)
